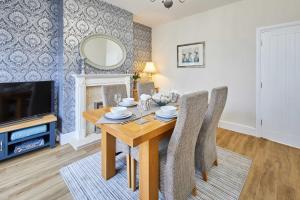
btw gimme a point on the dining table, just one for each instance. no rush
(145, 136)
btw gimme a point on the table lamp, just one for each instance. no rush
(150, 69)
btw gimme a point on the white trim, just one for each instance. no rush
(270, 28)
(90, 139)
(284, 143)
(258, 80)
(80, 135)
(70, 138)
(259, 32)
(66, 138)
(107, 37)
(240, 128)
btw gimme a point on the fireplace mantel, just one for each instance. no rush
(80, 137)
(89, 76)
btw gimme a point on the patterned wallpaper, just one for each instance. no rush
(82, 18)
(142, 46)
(28, 40)
(39, 40)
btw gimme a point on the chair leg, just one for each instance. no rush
(216, 163)
(194, 192)
(204, 176)
(133, 174)
(128, 163)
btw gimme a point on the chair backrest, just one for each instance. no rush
(206, 152)
(215, 109)
(145, 88)
(109, 91)
(180, 167)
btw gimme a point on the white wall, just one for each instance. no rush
(230, 36)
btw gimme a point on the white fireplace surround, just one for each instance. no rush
(80, 138)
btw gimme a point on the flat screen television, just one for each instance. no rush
(24, 100)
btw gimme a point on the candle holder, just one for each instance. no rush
(82, 67)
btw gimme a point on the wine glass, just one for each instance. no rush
(152, 92)
(118, 98)
(140, 108)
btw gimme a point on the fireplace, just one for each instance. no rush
(88, 96)
(97, 105)
(93, 101)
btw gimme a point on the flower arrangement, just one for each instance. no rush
(136, 76)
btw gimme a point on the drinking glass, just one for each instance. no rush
(118, 98)
(140, 108)
(152, 92)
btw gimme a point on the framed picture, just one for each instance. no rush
(191, 55)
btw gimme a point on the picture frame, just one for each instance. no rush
(191, 55)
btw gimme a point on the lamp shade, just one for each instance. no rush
(150, 68)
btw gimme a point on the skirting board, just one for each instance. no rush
(65, 138)
(68, 138)
(240, 128)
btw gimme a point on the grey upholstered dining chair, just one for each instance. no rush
(177, 164)
(206, 150)
(108, 93)
(145, 88)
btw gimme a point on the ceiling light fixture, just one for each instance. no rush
(168, 3)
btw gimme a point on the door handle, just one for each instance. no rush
(1, 145)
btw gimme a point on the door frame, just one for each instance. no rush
(259, 32)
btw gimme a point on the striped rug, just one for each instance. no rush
(85, 182)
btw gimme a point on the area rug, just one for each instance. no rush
(84, 180)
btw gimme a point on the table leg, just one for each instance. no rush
(108, 146)
(149, 170)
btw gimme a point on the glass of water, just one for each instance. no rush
(140, 108)
(118, 98)
(152, 92)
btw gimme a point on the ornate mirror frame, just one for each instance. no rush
(98, 35)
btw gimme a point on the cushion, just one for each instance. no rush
(28, 132)
(31, 144)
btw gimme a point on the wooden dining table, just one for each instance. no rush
(146, 136)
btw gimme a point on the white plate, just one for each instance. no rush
(127, 105)
(169, 110)
(114, 116)
(160, 113)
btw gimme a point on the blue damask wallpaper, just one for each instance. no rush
(82, 18)
(28, 40)
(39, 40)
(142, 43)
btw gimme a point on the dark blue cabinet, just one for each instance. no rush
(8, 145)
(53, 135)
(3, 145)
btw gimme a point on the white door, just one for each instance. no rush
(280, 89)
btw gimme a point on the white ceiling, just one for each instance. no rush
(154, 14)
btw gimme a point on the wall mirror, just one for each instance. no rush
(103, 52)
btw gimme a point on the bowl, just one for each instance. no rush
(128, 101)
(169, 110)
(118, 110)
(161, 99)
(160, 103)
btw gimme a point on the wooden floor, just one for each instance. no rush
(275, 172)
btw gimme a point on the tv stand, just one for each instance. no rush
(12, 123)
(7, 145)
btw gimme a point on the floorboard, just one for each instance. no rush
(275, 171)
